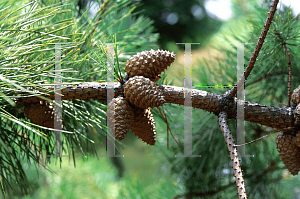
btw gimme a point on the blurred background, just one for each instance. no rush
(153, 171)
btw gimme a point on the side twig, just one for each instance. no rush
(240, 183)
(285, 129)
(256, 50)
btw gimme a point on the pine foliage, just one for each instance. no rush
(29, 31)
(211, 175)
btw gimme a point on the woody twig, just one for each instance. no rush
(256, 50)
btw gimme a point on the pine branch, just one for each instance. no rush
(270, 116)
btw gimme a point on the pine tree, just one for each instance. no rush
(29, 32)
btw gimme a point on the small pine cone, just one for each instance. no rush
(40, 113)
(143, 93)
(143, 125)
(296, 95)
(297, 138)
(289, 152)
(122, 113)
(149, 64)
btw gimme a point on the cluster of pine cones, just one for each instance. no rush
(288, 144)
(131, 111)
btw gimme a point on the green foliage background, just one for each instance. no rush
(188, 29)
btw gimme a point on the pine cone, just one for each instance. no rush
(289, 152)
(144, 125)
(296, 95)
(40, 113)
(149, 64)
(143, 93)
(123, 116)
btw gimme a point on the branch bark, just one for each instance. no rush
(270, 116)
(234, 156)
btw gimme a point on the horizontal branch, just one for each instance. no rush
(275, 117)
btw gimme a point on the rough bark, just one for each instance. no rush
(270, 116)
